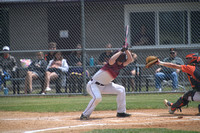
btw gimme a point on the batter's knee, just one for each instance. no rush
(122, 90)
(98, 100)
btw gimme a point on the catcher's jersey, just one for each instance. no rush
(107, 73)
(193, 73)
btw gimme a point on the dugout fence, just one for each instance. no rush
(83, 30)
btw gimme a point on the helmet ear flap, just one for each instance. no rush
(193, 58)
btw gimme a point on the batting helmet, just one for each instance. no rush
(122, 58)
(192, 58)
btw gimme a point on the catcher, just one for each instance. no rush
(192, 68)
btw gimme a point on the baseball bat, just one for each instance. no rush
(126, 36)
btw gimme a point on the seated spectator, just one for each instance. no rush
(130, 70)
(76, 73)
(105, 56)
(55, 70)
(142, 38)
(49, 56)
(8, 65)
(164, 73)
(35, 70)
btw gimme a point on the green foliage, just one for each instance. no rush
(79, 103)
(144, 130)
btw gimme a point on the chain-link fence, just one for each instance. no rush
(87, 33)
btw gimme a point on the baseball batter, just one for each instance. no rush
(101, 83)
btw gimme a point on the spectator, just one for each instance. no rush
(55, 70)
(164, 73)
(101, 83)
(49, 56)
(76, 73)
(142, 37)
(105, 56)
(130, 70)
(75, 58)
(35, 70)
(8, 65)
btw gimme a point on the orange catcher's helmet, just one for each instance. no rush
(192, 58)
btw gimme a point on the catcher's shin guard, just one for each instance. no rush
(179, 103)
(182, 101)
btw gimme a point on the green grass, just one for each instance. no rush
(79, 103)
(145, 130)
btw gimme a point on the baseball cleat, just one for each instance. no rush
(83, 117)
(123, 115)
(48, 89)
(169, 104)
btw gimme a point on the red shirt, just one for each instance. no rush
(113, 70)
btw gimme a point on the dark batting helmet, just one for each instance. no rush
(122, 58)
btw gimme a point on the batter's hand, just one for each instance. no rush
(124, 47)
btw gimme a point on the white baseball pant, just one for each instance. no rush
(96, 90)
(196, 97)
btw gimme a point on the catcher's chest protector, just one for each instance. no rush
(194, 83)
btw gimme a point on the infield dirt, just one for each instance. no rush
(18, 122)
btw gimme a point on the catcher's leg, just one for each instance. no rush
(196, 97)
(182, 101)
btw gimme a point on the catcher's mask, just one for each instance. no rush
(192, 58)
(122, 58)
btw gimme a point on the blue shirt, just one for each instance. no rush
(176, 60)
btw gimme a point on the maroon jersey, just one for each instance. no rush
(113, 70)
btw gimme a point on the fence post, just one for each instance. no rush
(83, 45)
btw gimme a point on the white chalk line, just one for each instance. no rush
(103, 124)
(58, 128)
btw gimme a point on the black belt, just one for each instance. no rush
(98, 83)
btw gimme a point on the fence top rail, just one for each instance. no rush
(191, 47)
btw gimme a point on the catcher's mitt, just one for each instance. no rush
(151, 60)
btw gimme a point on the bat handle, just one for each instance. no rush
(125, 45)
